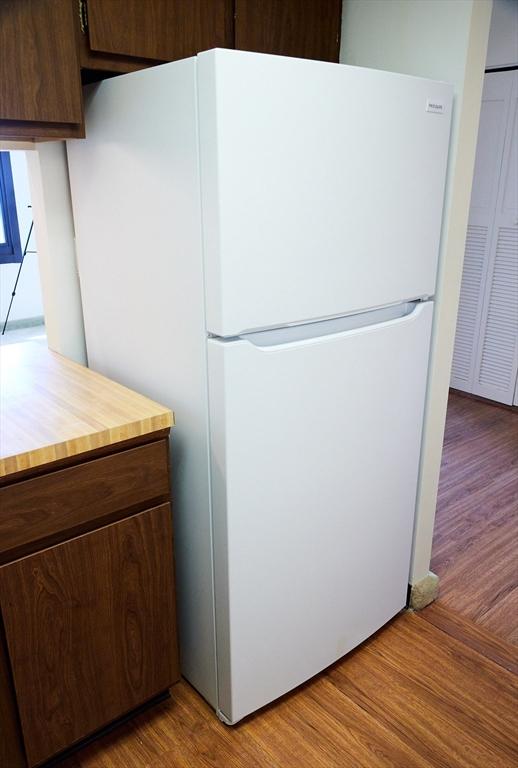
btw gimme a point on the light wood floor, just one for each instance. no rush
(475, 550)
(434, 689)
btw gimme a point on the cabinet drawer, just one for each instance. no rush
(90, 629)
(40, 511)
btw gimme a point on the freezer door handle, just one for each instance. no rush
(310, 333)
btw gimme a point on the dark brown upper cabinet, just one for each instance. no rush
(307, 29)
(161, 30)
(48, 48)
(39, 69)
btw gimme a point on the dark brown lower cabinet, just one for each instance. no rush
(88, 629)
(11, 744)
(87, 625)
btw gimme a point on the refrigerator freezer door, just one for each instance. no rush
(315, 450)
(322, 187)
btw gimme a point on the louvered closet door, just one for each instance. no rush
(494, 115)
(496, 362)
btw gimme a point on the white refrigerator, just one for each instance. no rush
(257, 241)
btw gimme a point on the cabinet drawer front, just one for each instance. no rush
(37, 512)
(90, 629)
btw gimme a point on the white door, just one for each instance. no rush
(496, 361)
(486, 341)
(315, 450)
(322, 187)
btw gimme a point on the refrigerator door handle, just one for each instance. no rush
(307, 333)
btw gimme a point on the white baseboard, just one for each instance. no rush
(26, 322)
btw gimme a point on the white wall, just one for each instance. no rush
(502, 48)
(52, 208)
(444, 40)
(27, 302)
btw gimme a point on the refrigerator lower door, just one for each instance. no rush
(314, 459)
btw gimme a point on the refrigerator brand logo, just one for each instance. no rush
(435, 106)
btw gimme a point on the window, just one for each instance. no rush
(10, 248)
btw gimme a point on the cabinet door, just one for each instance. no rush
(39, 69)
(159, 29)
(11, 746)
(309, 29)
(90, 629)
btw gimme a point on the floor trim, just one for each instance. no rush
(424, 592)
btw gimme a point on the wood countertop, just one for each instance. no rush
(52, 408)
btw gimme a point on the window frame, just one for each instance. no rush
(11, 249)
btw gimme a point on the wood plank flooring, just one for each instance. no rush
(473, 635)
(410, 697)
(475, 550)
(438, 689)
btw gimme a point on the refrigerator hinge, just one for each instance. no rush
(223, 717)
(83, 16)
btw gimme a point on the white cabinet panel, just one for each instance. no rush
(322, 188)
(315, 451)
